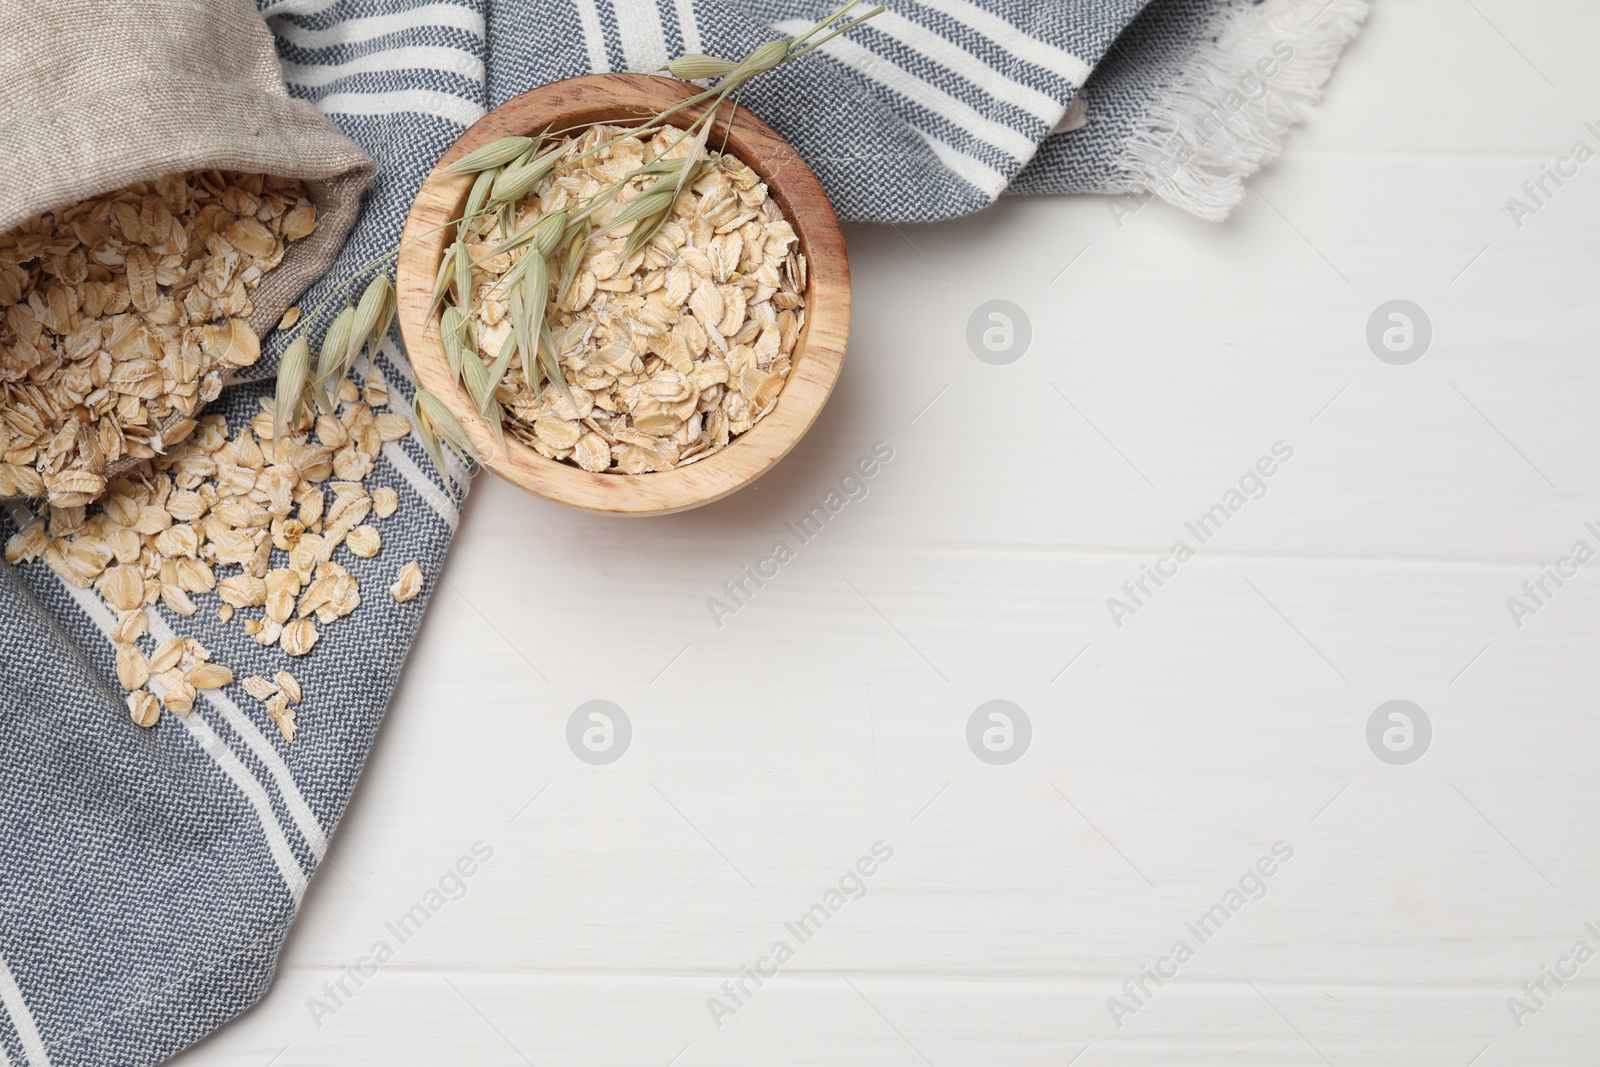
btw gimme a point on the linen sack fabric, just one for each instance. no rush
(148, 878)
(91, 103)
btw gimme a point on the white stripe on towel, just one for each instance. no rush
(412, 57)
(974, 172)
(961, 114)
(688, 26)
(593, 36)
(306, 820)
(952, 56)
(414, 475)
(354, 31)
(1031, 49)
(22, 1018)
(422, 101)
(277, 842)
(644, 44)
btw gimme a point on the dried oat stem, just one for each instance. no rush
(507, 170)
(646, 212)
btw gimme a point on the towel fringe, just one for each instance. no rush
(1226, 117)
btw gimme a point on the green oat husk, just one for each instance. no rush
(476, 378)
(503, 360)
(544, 233)
(442, 280)
(476, 199)
(522, 329)
(514, 183)
(463, 272)
(493, 154)
(695, 66)
(762, 59)
(331, 356)
(435, 423)
(535, 283)
(369, 315)
(294, 374)
(481, 392)
(391, 308)
(652, 201)
(551, 362)
(455, 333)
(577, 239)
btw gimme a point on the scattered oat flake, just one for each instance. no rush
(142, 708)
(209, 676)
(298, 637)
(279, 711)
(408, 583)
(364, 541)
(167, 655)
(27, 543)
(259, 687)
(290, 686)
(180, 697)
(133, 670)
(131, 626)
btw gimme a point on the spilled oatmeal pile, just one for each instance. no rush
(238, 524)
(670, 352)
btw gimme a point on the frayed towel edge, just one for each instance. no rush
(1226, 117)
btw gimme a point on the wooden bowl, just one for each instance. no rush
(818, 352)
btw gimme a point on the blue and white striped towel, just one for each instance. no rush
(148, 877)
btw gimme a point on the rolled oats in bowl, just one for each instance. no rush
(670, 352)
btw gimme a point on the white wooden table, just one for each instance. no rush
(1227, 713)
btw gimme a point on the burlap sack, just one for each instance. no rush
(95, 96)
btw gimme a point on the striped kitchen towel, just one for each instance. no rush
(148, 877)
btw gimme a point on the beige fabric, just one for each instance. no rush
(97, 95)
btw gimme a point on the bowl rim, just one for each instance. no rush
(819, 350)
